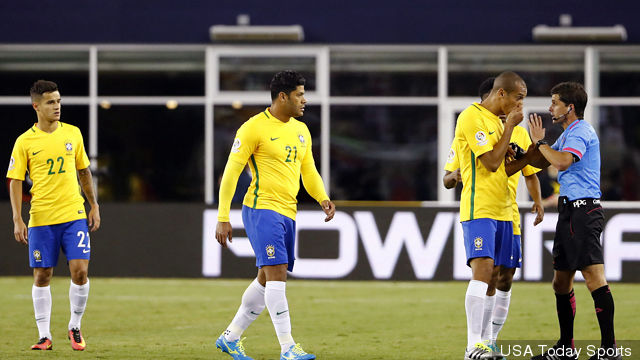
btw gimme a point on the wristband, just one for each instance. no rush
(541, 142)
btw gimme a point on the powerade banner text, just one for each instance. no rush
(410, 244)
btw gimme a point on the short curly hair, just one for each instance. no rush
(285, 81)
(40, 87)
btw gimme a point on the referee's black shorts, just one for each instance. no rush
(577, 241)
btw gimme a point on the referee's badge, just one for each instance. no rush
(478, 243)
(236, 146)
(37, 256)
(271, 252)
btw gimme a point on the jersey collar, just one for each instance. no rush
(487, 112)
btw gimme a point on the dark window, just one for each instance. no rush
(255, 73)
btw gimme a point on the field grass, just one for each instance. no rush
(181, 318)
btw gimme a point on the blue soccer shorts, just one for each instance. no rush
(272, 236)
(46, 241)
(490, 238)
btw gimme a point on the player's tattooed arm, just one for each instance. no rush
(86, 182)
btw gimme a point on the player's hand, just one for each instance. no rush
(536, 130)
(510, 154)
(539, 209)
(223, 231)
(515, 116)
(94, 218)
(329, 208)
(457, 175)
(20, 231)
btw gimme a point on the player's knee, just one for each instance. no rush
(42, 276)
(505, 279)
(79, 276)
(561, 286)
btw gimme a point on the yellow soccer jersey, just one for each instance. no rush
(452, 160)
(485, 194)
(277, 153)
(520, 137)
(52, 160)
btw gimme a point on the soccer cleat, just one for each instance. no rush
(295, 352)
(77, 341)
(480, 351)
(43, 344)
(556, 353)
(235, 349)
(495, 352)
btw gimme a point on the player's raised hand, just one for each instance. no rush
(539, 209)
(223, 231)
(20, 231)
(515, 116)
(329, 208)
(94, 218)
(536, 130)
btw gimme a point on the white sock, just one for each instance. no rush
(42, 309)
(276, 301)
(503, 298)
(78, 295)
(474, 305)
(251, 306)
(489, 304)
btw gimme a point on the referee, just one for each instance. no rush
(576, 246)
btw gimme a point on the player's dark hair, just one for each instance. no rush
(572, 93)
(40, 87)
(485, 88)
(285, 81)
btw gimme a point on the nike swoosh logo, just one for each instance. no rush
(84, 251)
(36, 152)
(275, 138)
(281, 312)
(254, 313)
(491, 132)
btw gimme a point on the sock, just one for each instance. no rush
(276, 301)
(251, 306)
(566, 306)
(474, 305)
(489, 304)
(603, 302)
(500, 312)
(78, 295)
(42, 309)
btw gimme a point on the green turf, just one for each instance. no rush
(181, 318)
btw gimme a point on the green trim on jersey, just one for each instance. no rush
(265, 113)
(474, 105)
(473, 184)
(255, 192)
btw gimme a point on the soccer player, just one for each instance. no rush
(52, 152)
(485, 205)
(576, 246)
(278, 150)
(496, 306)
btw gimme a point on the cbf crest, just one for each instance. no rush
(477, 242)
(303, 142)
(68, 146)
(271, 251)
(37, 256)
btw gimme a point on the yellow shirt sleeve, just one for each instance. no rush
(311, 179)
(82, 160)
(244, 145)
(18, 162)
(227, 188)
(476, 134)
(453, 163)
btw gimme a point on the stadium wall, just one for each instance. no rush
(384, 243)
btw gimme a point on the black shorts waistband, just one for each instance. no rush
(563, 200)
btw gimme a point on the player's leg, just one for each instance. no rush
(44, 248)
(509, 257)
(603, 301)
(489, 305)
(479, 241)
(76, 245)
(252, 302)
